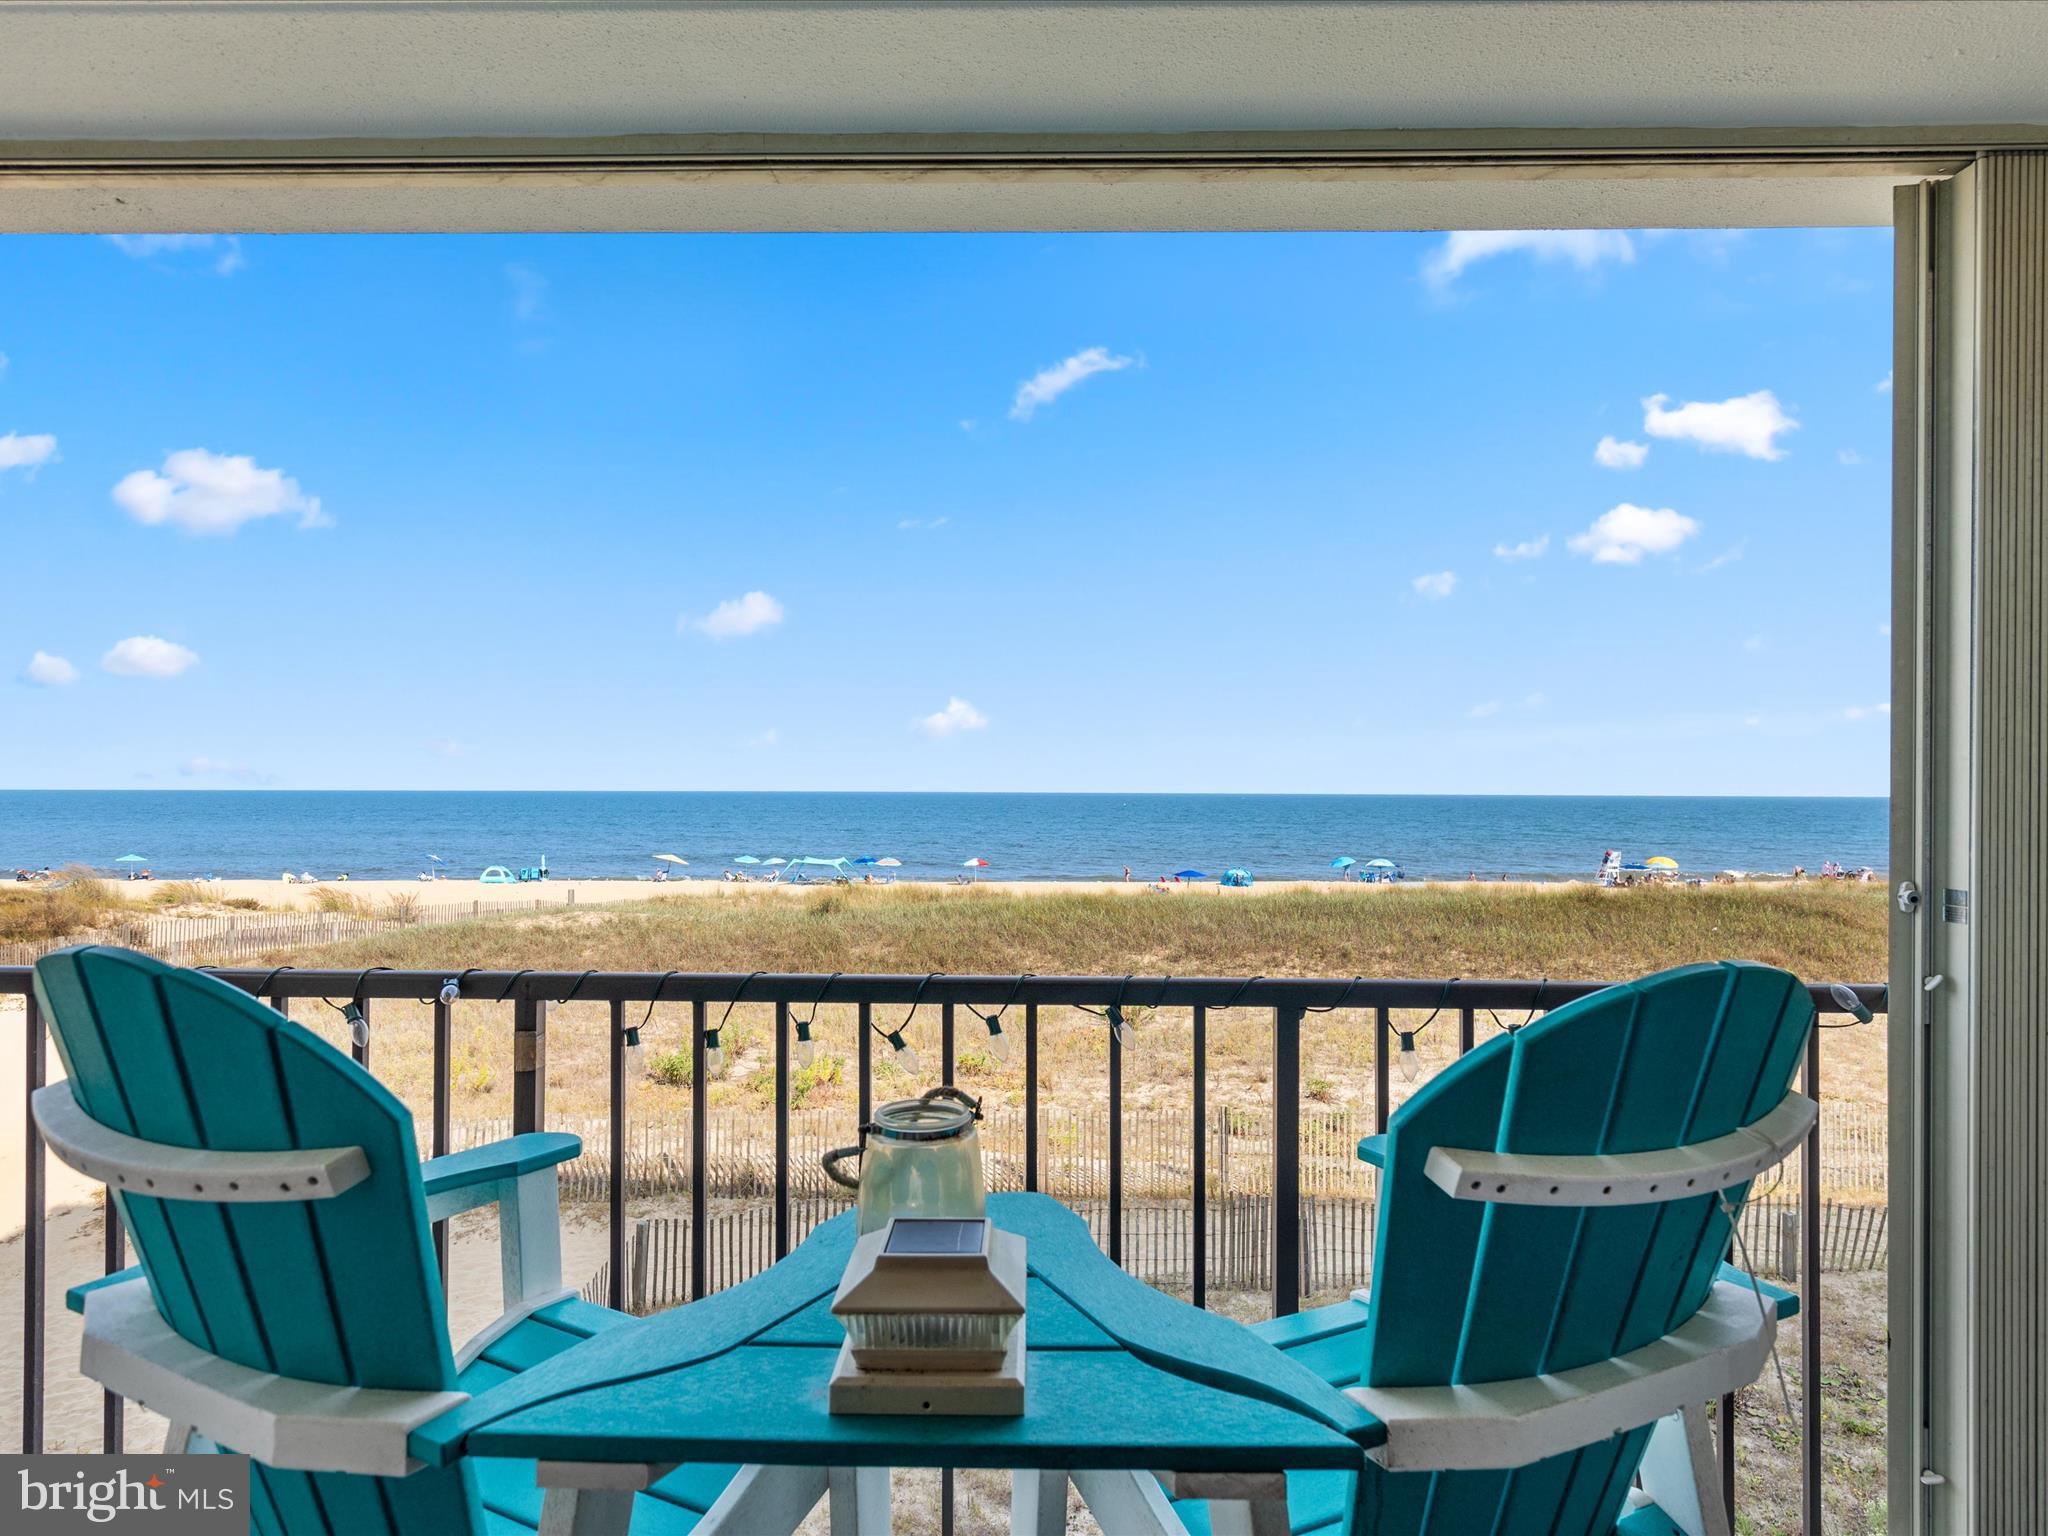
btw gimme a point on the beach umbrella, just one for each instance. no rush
(890, 863)
(670, 858)
(1660, 862)
(867, 858)
(131, 858)
(975, 864)
(775, 861)
(1379, 864)
(435, 858)
(1190, 874)
(746, 858)
(1343, 863)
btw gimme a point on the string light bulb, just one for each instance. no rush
(906, 1055)
(806, 1047)
(451, 989)
(714, 1053)
(635, 1053)
(1119, 1026)
(998, 1042)
(358, 1025)
(1411, 1063)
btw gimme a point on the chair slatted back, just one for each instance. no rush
(342, 1290)
(1465, 1291)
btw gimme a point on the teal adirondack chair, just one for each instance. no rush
(287, 1303)
(1549, 1312)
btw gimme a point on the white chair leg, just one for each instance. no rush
(1038, 1503)
(764, 1501)
(860, 1501)
(1680, 1474)
(1129, 1503)
(586, 1511)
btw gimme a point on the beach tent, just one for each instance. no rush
(497, 874)
(838, 864)
(1239, 877)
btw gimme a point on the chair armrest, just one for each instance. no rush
(74, 1298)
(506, 1159)
(518, 1176)
(1373, 1150)
(1788, 1301)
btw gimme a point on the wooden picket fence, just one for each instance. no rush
(1158, 1244)
(1074, 1160)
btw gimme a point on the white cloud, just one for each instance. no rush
(1436, 584)
(1747, 424)
(1884, 385)
(148, 656)
(1535, 701)
(214, 768)
(1624, 534)
(20, 450)
(1866, 711)
(1583, 248)
(1048, 384)
(1727, 557)
(1613, 453)
(1848, 456)
(909, 524)
(1528, 549)
(205, 492)
(142, 247)
(529, 293)
(738, 616)
(1484, 711)
(47, 671)
(957, 716)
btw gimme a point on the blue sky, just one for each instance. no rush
(1159, 512)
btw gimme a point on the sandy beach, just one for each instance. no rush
(456, 894)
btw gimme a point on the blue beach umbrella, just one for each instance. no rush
(131, 858)
(1344, 862)
(746, 858)
(1379, 864)
(1190, 874)
(867, 858)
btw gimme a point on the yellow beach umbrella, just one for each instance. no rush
(1660, 862)
(670, 858)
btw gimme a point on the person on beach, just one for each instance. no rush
(1127, 873)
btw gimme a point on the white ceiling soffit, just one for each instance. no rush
(1119, 114)
(262, 69)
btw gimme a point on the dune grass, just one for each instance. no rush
(52, 909)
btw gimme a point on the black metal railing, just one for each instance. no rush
(1289, 1000)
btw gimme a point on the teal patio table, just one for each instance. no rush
(1123, 1382)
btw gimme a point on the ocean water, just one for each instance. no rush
(374, 834)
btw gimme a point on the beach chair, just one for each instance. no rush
(1549, 1311)
(287, 1303)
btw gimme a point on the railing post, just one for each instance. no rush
(1199, 1150)
(700, 1105)
(867, 1062)
(1286, 1161)
(1381, 1084)
(1116, 1148)
(114, 1243)
(615, 1195)
(529, 1064)
(32, 1254)
(781, 1130)
(946, 1046)
(1030, 1096)
(1464, 1030)
(443, 1052)
(1810, 1503)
